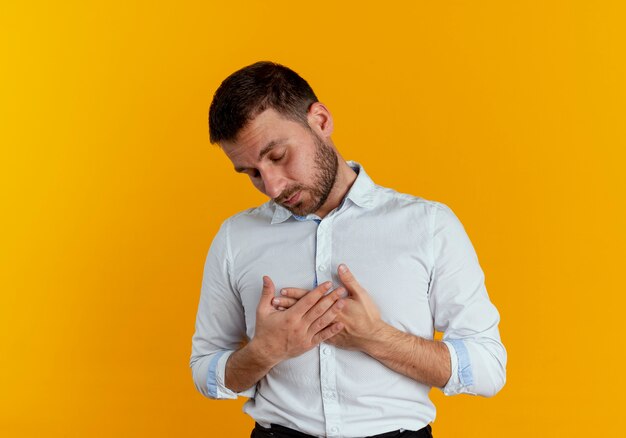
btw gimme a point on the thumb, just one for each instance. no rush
(349, 281)
(267, 295)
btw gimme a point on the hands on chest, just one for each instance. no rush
(300, 319)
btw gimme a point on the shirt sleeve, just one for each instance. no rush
(220, 324)
(463, 312)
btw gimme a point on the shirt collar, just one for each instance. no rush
(361, 193)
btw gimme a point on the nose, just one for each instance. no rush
(273, 183)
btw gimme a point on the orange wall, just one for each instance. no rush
(512, 113)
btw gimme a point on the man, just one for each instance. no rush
(321, 304)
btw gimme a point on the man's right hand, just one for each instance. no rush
(282, 334)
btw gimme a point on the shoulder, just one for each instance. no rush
(249, 220)
(260, 214)
(390, 198)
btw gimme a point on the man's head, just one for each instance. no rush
(269, 123)
(251, 90)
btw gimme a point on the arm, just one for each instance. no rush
(423, 360)
(420, 359)
(220, 368)
(220, 325)
(245, 367)
(463, 312)
(471, 359)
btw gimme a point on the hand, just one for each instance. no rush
(280, 335)
(360, 316)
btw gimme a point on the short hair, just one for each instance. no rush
(251, 90)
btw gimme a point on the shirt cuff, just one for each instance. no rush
(461, 378)
(216, 378)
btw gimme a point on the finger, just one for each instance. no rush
(309, 299)
(327, 318)
(322, 306)
(349, 281)
(283, 302)
(327, 333)
(293, 292)
(267, 294)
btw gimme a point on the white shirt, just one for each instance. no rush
(415, 260)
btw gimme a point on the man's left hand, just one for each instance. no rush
(360, 316)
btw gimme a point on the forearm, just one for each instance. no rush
(423, 360)
(245, 367)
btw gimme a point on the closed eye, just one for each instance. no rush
(275, 160)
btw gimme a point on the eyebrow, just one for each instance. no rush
(268, 147)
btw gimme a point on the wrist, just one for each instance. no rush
(378, 336)
(262, 353)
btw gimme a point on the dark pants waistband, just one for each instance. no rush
(278, 431)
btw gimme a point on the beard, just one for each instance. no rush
(326, 164)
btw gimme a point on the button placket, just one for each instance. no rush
(327, 352)
(328, 380)
(323, 251)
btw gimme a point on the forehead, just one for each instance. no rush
(267, 129)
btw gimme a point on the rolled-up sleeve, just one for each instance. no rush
(463, 311)
(220, 324)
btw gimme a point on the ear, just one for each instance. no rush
(320, 119)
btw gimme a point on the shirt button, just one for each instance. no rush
(322, 268)
(326, 350)
(334, 429)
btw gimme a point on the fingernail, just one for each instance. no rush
(266, 281)
(276, 301)
(328, 285)
(283, 291)
(343, 268)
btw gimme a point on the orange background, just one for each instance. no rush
(511, 113)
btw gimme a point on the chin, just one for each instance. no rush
(300, 210)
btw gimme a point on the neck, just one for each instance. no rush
(345, 178)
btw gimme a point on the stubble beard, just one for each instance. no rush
(326, 165)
